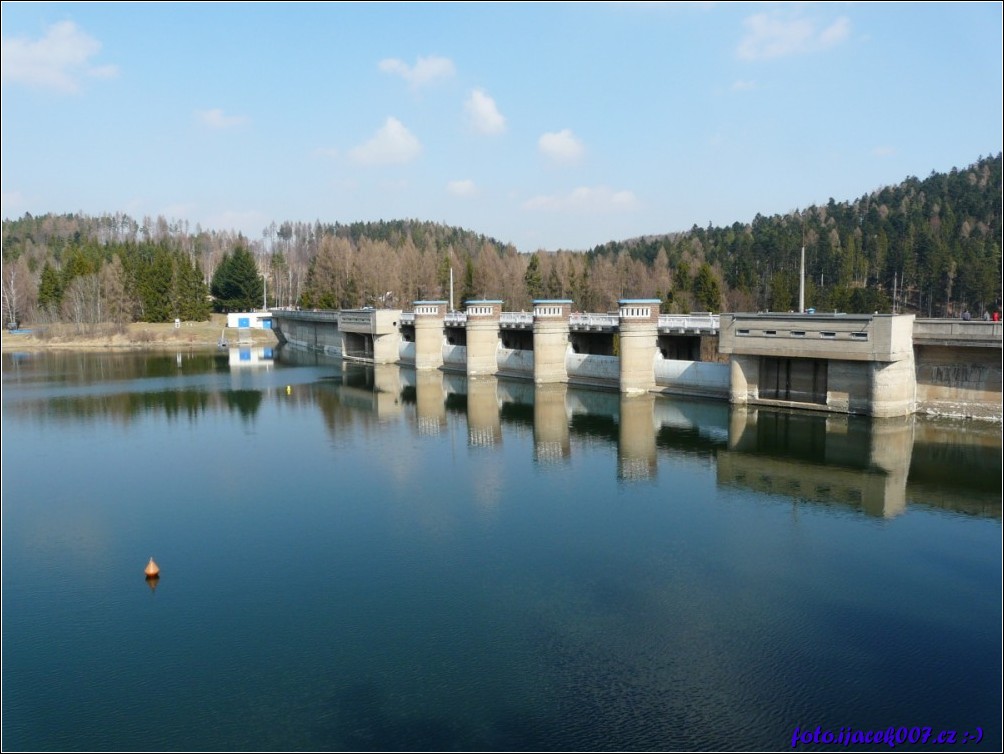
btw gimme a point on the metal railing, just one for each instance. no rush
(689, 321)
(589, 321)
(593, 320)
(516, 319)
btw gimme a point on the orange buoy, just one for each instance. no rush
(152, 570)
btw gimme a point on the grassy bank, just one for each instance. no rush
(138, 335)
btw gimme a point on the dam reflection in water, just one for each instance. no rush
(874, 466)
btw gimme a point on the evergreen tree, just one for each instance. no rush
(468, 291)
(443, 273)
(192, 294)
(236, 284)
(79, 261)
(707, 290)
(682, 279)
(554, 287)
(50, 289)
(532, 278)
(154, 285)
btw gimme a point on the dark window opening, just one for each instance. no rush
(801, 380)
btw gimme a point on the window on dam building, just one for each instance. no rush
(358, 345)
(680, 348)
(597, 344)
(802, 380)
(456, 336)
(517, 340)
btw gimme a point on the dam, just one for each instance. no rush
(878, 365)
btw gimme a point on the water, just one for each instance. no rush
(360, 559)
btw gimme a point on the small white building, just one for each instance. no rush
(252, 356)
(253, 320)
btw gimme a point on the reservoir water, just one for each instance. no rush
(359, 558)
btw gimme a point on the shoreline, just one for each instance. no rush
(136, 336)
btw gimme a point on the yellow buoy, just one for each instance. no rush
(152, 569)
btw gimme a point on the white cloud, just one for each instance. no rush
(59, 60)
(483, 114)
(103, 71)
(769, 36)
(561, 147)
(425, 71)
(585, 199)
(328, 152)
(216, 118)
(835, 33)
(743, 86)
(883, 151)
(462, 188)
(393, 144)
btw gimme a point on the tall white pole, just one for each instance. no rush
(264, 291)
(801, 286)
(451, 289)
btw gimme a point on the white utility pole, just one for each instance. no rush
(801, 286)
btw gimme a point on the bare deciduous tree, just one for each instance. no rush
(82, 301)
(118, 306)
(18, 291)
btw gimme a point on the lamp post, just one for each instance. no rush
(801, 275)
(801, 285)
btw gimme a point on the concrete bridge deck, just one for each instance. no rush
(676, 323)
(928, 331)
(958, 333)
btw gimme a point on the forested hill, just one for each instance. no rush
(935, 242)
(930, 246)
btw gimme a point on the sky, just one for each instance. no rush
(548, 126)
